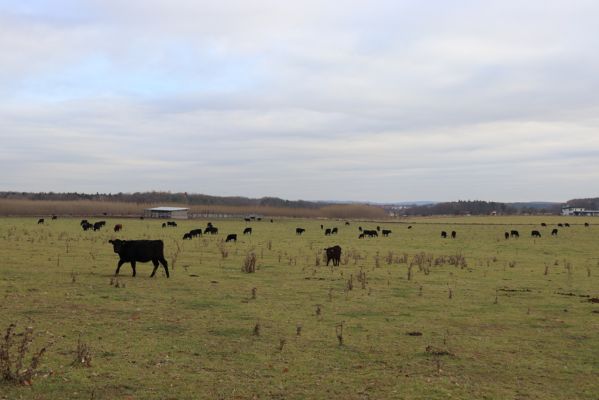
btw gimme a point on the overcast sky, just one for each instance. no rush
(335, 100)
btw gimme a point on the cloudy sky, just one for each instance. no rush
(348, 100)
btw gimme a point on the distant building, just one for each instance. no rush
(579, 212)
(166, 212)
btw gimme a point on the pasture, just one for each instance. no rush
(408, 316)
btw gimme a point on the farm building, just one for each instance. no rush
(579, 212)
(166, 212)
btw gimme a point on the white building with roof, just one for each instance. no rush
(166, 212)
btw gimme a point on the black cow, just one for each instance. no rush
(247, 219)
(186, 236)
(567, 225)
(560, 225)
(507, 235)
(211, 230)
(164, 224)
(54, 217)
(321, 226)
(370, 233)
(118, 227)
(133, 251)
(195, 232)
(40, 221)
(299, 231)
(327, 232)
(443, 234)
(454, 234)
(232, 237)
(209, 224)
(386, 232)
(171, 223)
(410, 227)
(535, 234)
(514, 234)
(360, 228)
(543, 224)
(586, 224)
(378, 228)
(333, 254)
(83, 221)
(334, 231)
(271, 221)
(247, 231)
(87, 226)
(554, 232)
(258, 219)
(347, 223)
(98, 225)
(361, 236)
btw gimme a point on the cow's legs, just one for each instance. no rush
(155, 262)
(118, 267)
(133, 267)
(165, 265)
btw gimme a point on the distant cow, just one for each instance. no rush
(327, 231)
(40, 221)
(299, 231)
(535, 234)
(98, 225)
(118, 227)
(410, 227)
(560, 225)
(360, 228)
(195, 232)
(514, 234)
(347, 223)
(211, 230)
(386, 232)
(507, 235)
(87, 226)
(454, 234)
(333, 254)
(133, 251)
(164, 224)
(567, 225)
(271, 221)
(370, 233)
(554, 232)
(443, 234)
(361, 236)
(321, 226)
(334, 231)
(171, 223)
(232, 237)
(543, 224)
(54, 217)
(247, 219)
(83, 221)
(378, 228)
(586, 224)
(186, 236)
(247, 231)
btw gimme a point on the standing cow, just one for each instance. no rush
(133, 251)
(118, 227)
(247, 231)
(333, 254)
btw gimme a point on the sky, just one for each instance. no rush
(374, 100)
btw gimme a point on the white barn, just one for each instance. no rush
(166, 212)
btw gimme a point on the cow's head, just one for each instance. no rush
(117, 245)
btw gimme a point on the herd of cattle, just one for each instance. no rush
(133, 251)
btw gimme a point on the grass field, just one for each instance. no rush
(420, 317)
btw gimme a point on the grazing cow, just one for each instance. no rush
(99, 225)
(133, 251)
(567, 225)
(299, 231)
(87, 226)
(443, 234)
(453, 234)
(40, 221)
(370, 233)
(361, 236)
(118, 227)
(386, 232)
(410, 227)
(554, 232)
(232, 237)
(247, 231)
(535, 234)
(164, 224)
(333, 254)
(327, 232)
(195, 232)
(543, 224)
(514, 234)
(347, 223)
(211, 230)
(507, 235)
(586, 224)
(560, 225)
(171, 223)
(334, 231)
(186, 236)
(54, 217)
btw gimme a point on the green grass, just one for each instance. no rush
(509, 332)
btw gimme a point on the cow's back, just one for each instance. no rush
(142, 250)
